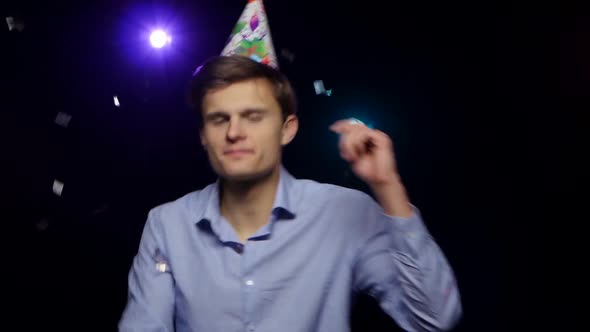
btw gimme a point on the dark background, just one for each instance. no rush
(475, 95)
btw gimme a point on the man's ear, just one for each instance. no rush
(290, 128)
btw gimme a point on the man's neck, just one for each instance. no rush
(247, 205)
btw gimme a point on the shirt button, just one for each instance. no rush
(250, 282)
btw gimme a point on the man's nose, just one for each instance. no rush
(235, 130)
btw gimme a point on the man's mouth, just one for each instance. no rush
(237, 152)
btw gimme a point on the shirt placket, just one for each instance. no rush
(248, 288)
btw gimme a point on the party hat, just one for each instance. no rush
(251, 36)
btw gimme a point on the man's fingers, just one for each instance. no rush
(359, 140)
(345, 126)
(355, 144)
(339, 128)
(356, 139)
(379, 139)
(346, 148)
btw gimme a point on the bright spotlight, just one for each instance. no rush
(159, 39)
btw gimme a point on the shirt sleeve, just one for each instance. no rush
(150, 303)
(403, 268)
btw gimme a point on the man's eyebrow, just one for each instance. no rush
(254, 110)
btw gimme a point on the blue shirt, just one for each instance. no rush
(322, 245)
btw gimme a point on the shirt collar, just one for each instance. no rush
(283, 206)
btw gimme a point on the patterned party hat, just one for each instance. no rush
(251, 36)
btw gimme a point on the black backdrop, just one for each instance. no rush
(465, 88)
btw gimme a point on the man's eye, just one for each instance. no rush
(217, 120)
(254, 116)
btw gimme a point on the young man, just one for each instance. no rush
(262, 251)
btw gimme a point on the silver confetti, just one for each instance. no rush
(161, 267)
(161, 262)
(290, 56)
(58, 187)
(356, 121)
(63, 119)
(42, 225)
(14, 24)
(320, 89)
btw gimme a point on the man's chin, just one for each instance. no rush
(245, 175)
(241, 176)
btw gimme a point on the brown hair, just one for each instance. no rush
(222, 71)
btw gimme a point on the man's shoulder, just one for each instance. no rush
(348, 206)
(184, 207)
(311, 189)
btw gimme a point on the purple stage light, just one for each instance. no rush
(159, 39)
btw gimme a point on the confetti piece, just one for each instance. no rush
(161, 267)
(42, 225)
(319, 87)
(63, 119)
(58, 187)
(355, 121)
(14, 24)
(10, 22)
(161, 262)
(290, 56)
(116, 101)
(99, 210)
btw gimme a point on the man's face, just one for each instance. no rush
(243, 130)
